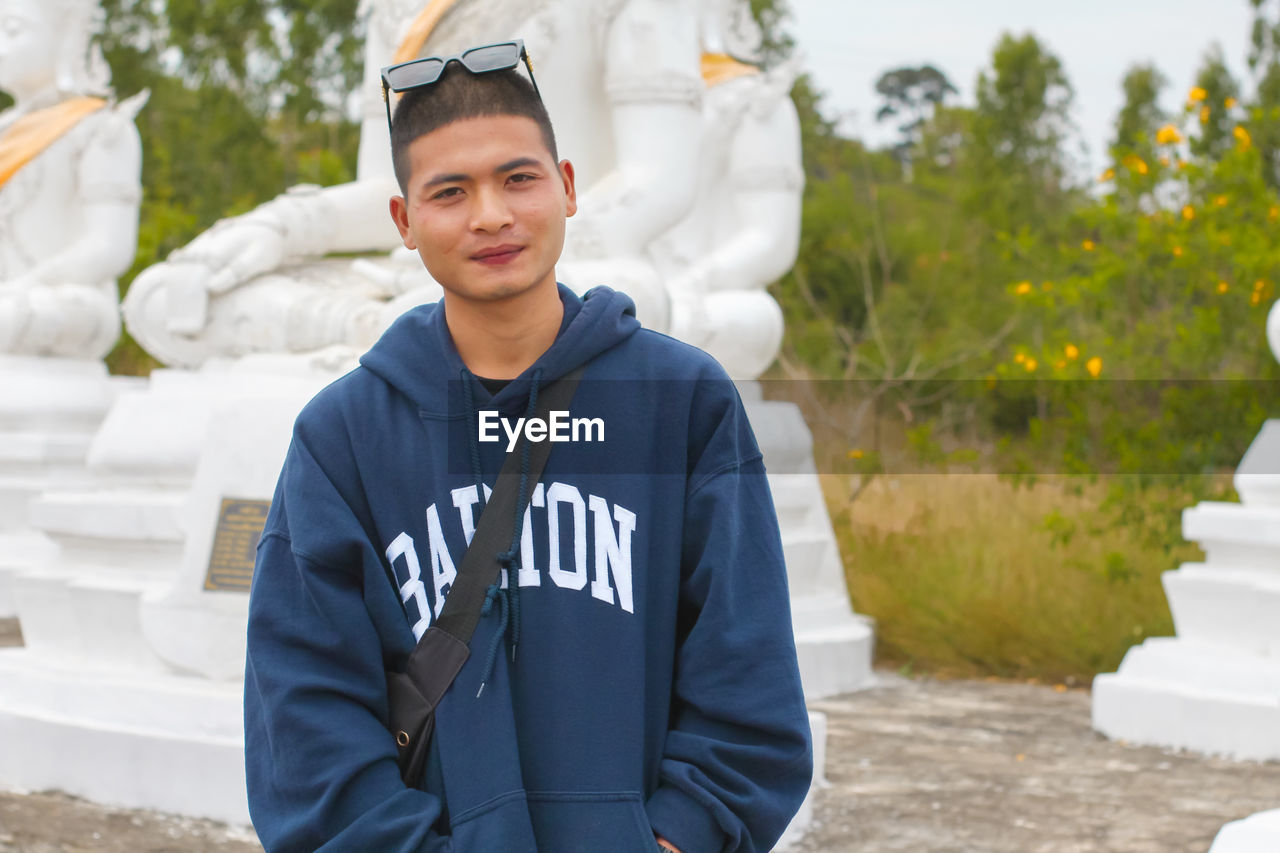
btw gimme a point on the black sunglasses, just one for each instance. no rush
(478, 60)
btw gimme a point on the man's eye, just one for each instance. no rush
(452, 191)
(523, 178)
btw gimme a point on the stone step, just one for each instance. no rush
(1233, 608)
(1174, 693)
(123, 514)
(86, 616)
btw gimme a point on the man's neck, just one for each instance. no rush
(500, 340)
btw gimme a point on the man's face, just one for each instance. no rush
(486, 207)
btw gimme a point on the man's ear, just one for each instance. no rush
(400, 215)
(570, 191)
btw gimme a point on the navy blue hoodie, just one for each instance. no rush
(639, 677)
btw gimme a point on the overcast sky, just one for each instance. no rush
(846, 45)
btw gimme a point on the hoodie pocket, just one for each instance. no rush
(615, 821)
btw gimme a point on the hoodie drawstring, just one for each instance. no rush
(508, 599)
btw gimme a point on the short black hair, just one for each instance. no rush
(457, 95)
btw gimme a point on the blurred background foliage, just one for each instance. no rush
(976, 304)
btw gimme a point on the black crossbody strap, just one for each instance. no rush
(480, 567)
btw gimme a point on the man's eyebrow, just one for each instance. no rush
(455, 178)
(518, 163)
(459, 177)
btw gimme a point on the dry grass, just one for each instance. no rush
(965, 576)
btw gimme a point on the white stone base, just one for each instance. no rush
(834, 644)
(167, 743)
(49, 409)
(1257, 834)
(1177, 693)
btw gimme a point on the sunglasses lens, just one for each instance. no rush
(419, 73)
(492, 58)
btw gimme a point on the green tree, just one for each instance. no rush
(1212, 101)
(912, 95)
(1021, 125)
(1141, 116)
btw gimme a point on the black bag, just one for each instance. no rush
(442, 651)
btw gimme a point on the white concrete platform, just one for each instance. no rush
(161, 742)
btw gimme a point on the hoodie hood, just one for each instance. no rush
(599, 320)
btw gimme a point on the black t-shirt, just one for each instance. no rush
(493, 386)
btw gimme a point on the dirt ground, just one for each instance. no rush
(912, 765)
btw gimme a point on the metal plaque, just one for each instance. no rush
(235, 544)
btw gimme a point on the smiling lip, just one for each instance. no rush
(497, 255)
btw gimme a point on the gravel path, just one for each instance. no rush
(913, 765)
(932, 766)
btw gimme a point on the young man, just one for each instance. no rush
(633, 682)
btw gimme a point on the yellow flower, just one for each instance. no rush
(1259, 284)
(1188, 213)
(1168, 135)
(1242, 136)
(1030, 365)
(1222, 287)
(1072, 351)
(1229, 103)
(1059, 364)
(1106, 176)
(1088, 245)
(1221, 201)
(1094, 366)
(1023, 288)
(1177, 251)
(1134, 163)
(1273, 213)
(1205, 112)
(1020, 357)
(856, 454)
(1255, 299)
(1165, 161)
(1197, 94)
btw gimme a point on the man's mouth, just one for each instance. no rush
(497, 255)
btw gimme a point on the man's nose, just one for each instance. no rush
(491, 212)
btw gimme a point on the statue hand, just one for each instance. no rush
(234, 251)
(185, 289)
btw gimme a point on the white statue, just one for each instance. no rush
(70, 166)
(629, 104)
(744, 229)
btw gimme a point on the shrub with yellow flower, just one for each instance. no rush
(1023, 288)
(1094, 366)
(1205, 112)
(1168, 135)
(1242, 136)
(1223, 287)
(1197, 95)
(1134, 163)
(1072, 351)
(1229, 103)
(1188, 212)
(1031, 364)
(1088, 245)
